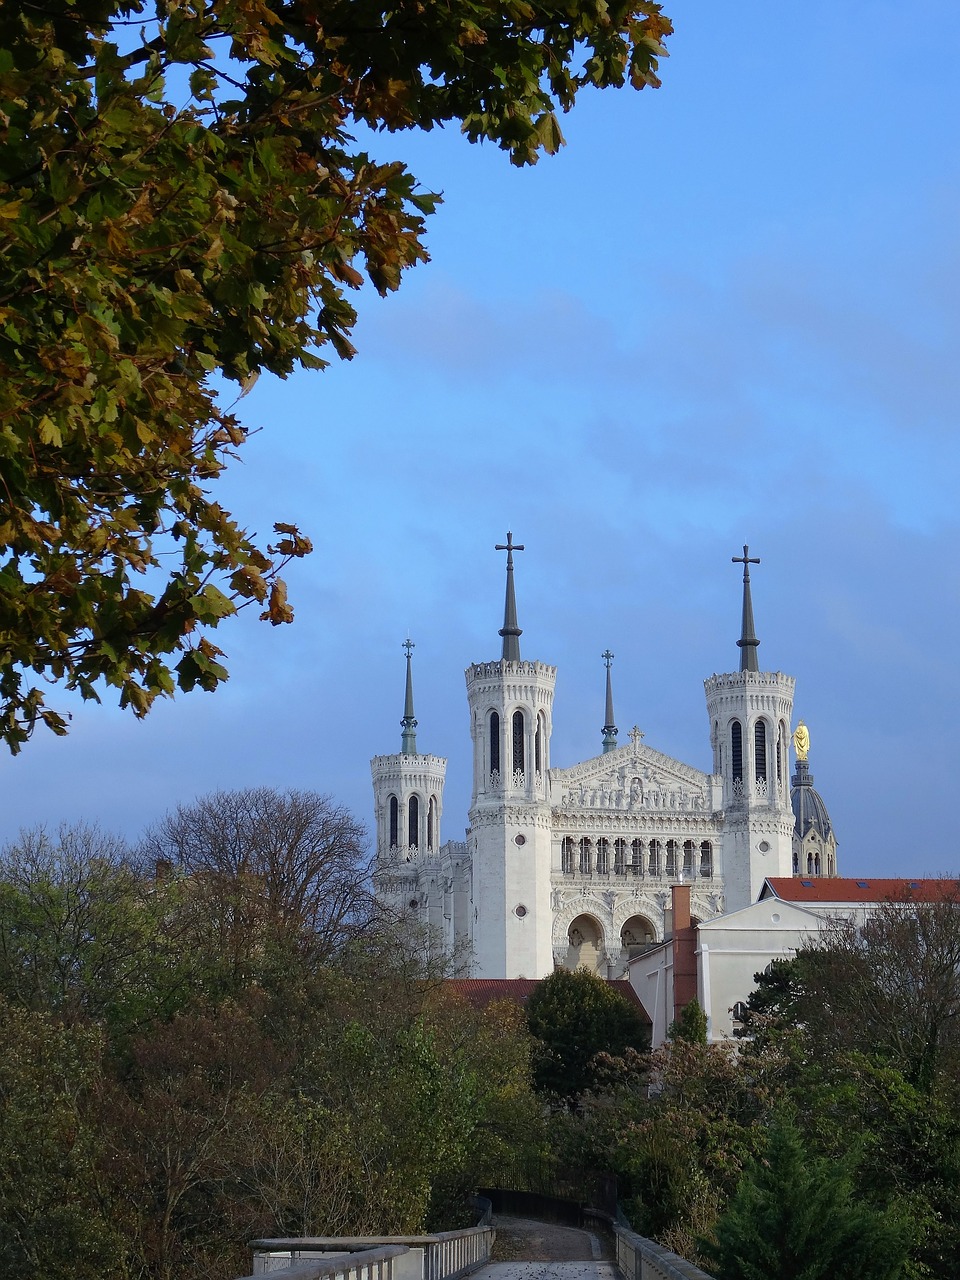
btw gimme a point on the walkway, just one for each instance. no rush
(529, 1250)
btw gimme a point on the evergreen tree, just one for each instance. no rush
(794, 1217)
(691, 1025)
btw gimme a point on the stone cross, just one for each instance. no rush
(635, 735)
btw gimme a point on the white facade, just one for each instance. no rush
(573, 866)
(730, 950)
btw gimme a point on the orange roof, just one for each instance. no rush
(483, 991)
(868, 889)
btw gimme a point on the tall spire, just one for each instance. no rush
(747, 644)
(609, 728)
(409, 723)
(510, 631)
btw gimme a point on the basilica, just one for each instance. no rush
(574, 866)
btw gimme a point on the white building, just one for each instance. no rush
(574, 866)
(717, 960)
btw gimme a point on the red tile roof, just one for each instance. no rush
(867, 889)
(483, 991)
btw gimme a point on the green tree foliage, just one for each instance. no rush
(158, 1113)
(796, 1216)
(676, 1127)
(691, 1025)
(573, 1017)
(183, 205)
(887, 986)
(54, 1221)
(84, 937)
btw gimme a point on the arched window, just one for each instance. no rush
(538, 746)
(620, 857)
(394, 822)
(781, 738)
(518, 742)
(413, 823)
(672, 859)
(736, 751)
(566, 856)
(688, 868)
(603, 857)
(760, 751)
(655, 860)
(706, 859)
(432, 823)
(636, 857)
(585, 851)
(494, 742)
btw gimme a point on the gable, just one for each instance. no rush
(633, 777)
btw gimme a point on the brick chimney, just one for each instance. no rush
(684, 949)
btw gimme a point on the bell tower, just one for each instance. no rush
(750, 713)
(408, 799)
(511, 720)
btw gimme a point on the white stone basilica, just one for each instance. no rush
(574, 866)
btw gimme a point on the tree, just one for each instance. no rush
(795, 1216)
(83, 936)
(54, 1221)
(268, 876)
(690, 1025)
(574, 1016)
(887, 985)
(183, 206)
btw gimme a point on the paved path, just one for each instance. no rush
(529, 1250)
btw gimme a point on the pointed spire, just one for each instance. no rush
(609, 728)
(747, 644)
(510, 631)
(409, 723)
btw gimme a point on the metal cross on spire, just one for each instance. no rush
(748, 642)
(510, 631)
(409, 723)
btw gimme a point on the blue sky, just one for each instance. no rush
(727, 312)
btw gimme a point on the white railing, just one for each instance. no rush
(444, 1256)
(642, 1259)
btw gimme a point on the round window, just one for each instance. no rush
(520, 911)
(763, 847)
(520, 839)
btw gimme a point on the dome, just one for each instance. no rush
(809, 811)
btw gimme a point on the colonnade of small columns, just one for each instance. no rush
(654, 858)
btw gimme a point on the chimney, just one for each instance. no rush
(684, 949)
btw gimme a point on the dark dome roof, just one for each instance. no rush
(809, 811)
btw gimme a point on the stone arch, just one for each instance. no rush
(585, 944)
(636, 934)
(563, 918)
(644, 905)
